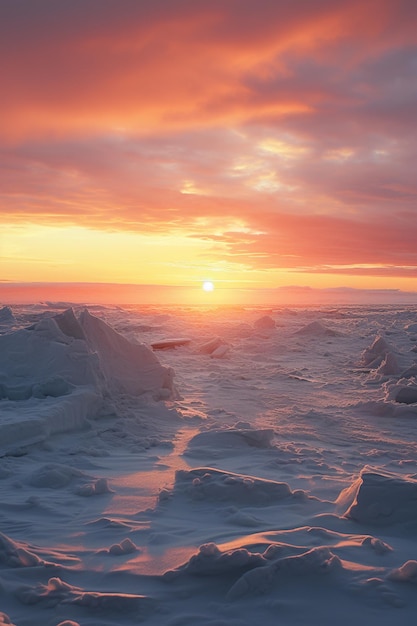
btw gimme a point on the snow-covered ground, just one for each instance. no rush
(263, 469)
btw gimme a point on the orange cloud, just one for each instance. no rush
(146, 66)
(326, 243)
(282, 132)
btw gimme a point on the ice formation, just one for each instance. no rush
(62, 368)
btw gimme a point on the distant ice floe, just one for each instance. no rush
(216, 348)
(55, 374)
(170, 344)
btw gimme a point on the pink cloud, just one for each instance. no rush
(110, 110)
(307, 241)
(89, 65)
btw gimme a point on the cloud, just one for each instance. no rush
(90, 65)
(284, 131)
(328, 244)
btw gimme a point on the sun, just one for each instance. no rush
(208, 285)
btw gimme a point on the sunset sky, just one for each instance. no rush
(251, 143)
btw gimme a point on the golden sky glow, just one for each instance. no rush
(252, 144)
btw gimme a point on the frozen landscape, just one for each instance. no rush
(217, 467)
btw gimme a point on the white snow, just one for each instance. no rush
(60, 371)
(275, 482)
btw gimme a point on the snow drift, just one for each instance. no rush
(281, 485)
(383, 499)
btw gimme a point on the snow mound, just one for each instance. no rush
(216, 485)
(405, 573)
(317, 329)
(383, 499)
(6, 316)
(407, 395)
(95, 488)
(57, 592)
(404, 391)
(14, 554)
(264, 323)
(124, 547)
(53, 476)
(211, 561)
(315, 562)
(62, 368)
(255, 573)
(233, 438)
(59, 476)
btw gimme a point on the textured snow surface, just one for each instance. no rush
(276, 481)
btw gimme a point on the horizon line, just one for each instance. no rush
(196, 285)
(90, 293)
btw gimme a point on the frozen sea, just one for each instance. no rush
(210, 466)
